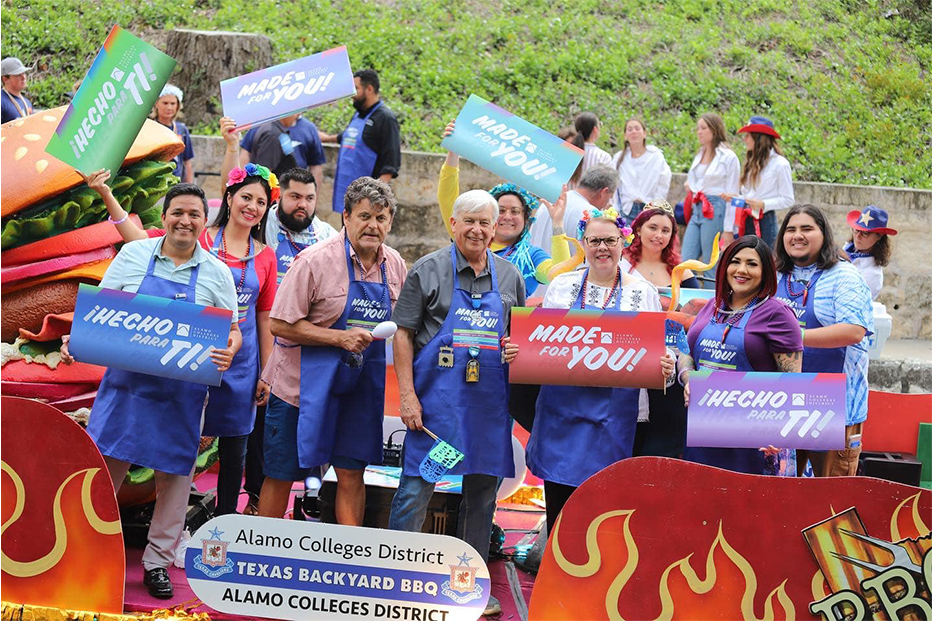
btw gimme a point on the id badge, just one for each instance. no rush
(472, 371)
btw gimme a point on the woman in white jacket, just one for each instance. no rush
(766, 185)
(714, 173)
(643, 173)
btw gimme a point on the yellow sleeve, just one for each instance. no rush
(447, 191)
(560, 252)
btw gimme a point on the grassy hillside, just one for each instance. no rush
(846, 81)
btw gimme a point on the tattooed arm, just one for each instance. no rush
(789, 363)
(686, 364)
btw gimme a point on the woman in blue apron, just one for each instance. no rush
(355, 160)
(236, 236)
(744, 329)
(579, 430)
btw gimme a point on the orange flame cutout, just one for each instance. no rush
(905, 525)
(721, 602)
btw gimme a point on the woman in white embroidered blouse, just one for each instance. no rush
(643, 173)
(579, 430)
(766, 185)
(714, 173)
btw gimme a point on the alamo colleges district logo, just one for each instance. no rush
(462, 587)
(213, 561)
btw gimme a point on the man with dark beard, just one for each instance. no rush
(370, 146)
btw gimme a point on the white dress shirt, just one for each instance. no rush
(774, 187)
(643, 178)
(721, 176)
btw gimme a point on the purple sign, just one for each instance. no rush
(730, 409)
(285, 89)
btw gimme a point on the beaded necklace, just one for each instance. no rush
(227, 256)
(608, 298)
(796, 294)
(381, 302)
(733, 316)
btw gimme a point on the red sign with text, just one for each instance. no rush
(587, 348)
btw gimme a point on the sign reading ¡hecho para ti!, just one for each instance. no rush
(587, 347)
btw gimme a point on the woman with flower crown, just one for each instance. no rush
(235, 237)
(749, 328)
(579, 430)
(516, 208)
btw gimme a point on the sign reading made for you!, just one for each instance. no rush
(587, 347)
(287, 569)
(513, 148)
(279, 91)
(117, 94)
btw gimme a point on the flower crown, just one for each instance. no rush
(530, 201)
(238, 175)
(609, 214)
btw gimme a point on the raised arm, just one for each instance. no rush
(231, 156)
(449, 186)
(127, 229)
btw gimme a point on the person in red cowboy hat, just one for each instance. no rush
(869, 247)
(766, 185)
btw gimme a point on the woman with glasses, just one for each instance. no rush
(516, 208)
(750, 329)
(579, 430)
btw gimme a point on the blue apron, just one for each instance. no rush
(147, 420)
(471, 416)
(815, 359)
(231, 408)
(343, 397)
(579, 430)
(729, 356)
(285, 253)
(356, 159)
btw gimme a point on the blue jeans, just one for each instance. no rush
(232, 462)
(409, 508)
(768, 228)
(701, 231)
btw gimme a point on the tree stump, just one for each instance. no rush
(205, 59)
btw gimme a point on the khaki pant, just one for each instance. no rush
(842, 463)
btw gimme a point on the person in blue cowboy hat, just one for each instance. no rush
(869, 246)
(766, 185)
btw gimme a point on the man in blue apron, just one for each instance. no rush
(370, 146)
(327, 374)
(833, 304)
(152, 421)
(453, 314)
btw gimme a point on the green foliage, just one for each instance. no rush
(846, 82)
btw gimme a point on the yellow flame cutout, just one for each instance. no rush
(701, 587)
(695, 265)
(818, 586)
(921, 527)
(29, 569)
(591, 566)
(570, 264)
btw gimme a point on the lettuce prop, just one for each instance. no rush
(137, 188)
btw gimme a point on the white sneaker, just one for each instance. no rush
(493, 607)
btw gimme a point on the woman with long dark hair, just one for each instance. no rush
(588, 131)
(744, 329)
(643, 172)
(766, 185)
(235, 238)
(869, 249)
(652, 255)
(713, 175)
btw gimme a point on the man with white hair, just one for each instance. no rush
(450, 353)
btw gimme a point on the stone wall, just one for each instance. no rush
(418, 229)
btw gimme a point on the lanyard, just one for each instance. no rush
(12, 97)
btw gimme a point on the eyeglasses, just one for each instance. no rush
(860, 233)
(595, 242)
(514, 211)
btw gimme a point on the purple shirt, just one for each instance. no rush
(771, 329)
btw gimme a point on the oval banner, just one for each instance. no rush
(288, 569)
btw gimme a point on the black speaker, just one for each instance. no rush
(897, 467)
